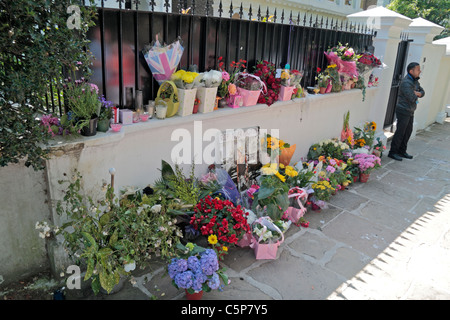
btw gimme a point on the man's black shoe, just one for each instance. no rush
(405, 155)
(395, 157)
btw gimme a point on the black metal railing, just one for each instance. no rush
(279, 37)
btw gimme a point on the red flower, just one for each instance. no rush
(318, 70)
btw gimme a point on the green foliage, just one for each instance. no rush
(107, 234)
(273, 195)
(436, 11)
(36, 45)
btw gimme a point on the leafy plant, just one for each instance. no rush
(110, 236)
(37, 45)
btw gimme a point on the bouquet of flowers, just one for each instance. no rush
(323, 190)
(322, 79)
(185, 79)
(221, 221)
(228, 77)
(211, 79)
(364, 136)
(328, 148)
(196, 269)
(266, 72)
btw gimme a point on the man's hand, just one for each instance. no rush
(418, 94)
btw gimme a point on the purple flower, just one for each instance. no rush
(209, 262)
(184, 280)
(214, 281)
(193, 264)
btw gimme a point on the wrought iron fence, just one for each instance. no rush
(279, 37)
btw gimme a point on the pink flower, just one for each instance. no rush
(225, 76)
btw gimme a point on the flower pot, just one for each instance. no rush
(103, 125)
(355, 179)
(323, 90)
(194, 296)
(187, 99)
(286, 93)
(249, 97)
(116, 127)
(207, 97)
(364, 177)
(90, 129)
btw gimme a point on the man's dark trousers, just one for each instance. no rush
(403, 132)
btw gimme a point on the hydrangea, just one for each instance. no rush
(184, 280)
(209, 262)
(214, 281)
(195, 271)
(194, 264)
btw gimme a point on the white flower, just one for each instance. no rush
(130, 266)
(156, 208)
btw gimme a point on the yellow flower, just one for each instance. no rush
(188, 77)
(178, 75)
(280, 176)
(284, 75)
(269, 169)
(224, 248)
(321, 158)
(291, 172)
(212, 239)
(332, 66)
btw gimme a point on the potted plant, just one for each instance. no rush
(196, 270)
(207, 91)
(366, 163)
(186, 83)
(106, 113)
(322, 81)
(83, 101)
(221, 221)
(109, 236)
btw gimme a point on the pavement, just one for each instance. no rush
(387, 239)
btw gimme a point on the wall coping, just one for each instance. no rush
(101, 138)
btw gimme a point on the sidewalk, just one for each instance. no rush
(388, 238)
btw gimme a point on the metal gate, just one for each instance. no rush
(399, 73)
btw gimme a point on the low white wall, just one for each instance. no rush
(136, 151)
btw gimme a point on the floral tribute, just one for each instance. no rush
(197, 269)
(266, 70)
(221, 221)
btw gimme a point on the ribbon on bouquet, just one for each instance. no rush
(298, 194)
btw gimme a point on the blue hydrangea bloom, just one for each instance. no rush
(214, 281)
(193, 264)
(209, 262)
(184, 280)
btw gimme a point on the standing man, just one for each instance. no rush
(409, 93)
